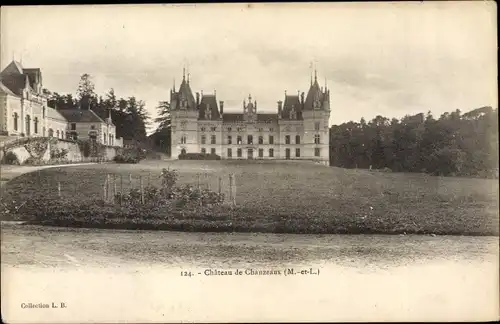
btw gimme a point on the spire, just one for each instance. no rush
(184, 74)
(326, 87)
(315, 75)
(174, 85)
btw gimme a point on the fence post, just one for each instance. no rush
(108, 187)
(231, 184)
(59, 189)
(149, 179)
(220, 185)
(105, 189)
(114, 188)
(234, 190)
(121, 188)
(130, 181)
(142, 190)
(198, 181)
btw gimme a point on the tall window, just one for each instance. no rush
(183, 151)
(203, 150)
(214, 129)
(35, 125)
(212, 139)
(297, 152)
(287, 139)
(202, 129)
(229, 129)
(238, 139)
(238, 152)
(271, 139)
(183, 140)
(316, 126)
(250, 139)
(271, 152)
(261, 153)
(212, 150)
(229, 152)
(28, 123)
(271, 129)
(16, 116)
(316, 139)
(261, 139)
(317, 151)
(297, 139)
(229, 140)
(203, 139)
(73, 126)
(58, 134)
(104, 137)
(51, 132)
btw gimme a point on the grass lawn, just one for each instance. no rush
(293, 197)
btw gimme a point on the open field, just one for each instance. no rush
(295, 197)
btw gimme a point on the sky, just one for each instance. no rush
(389, 59)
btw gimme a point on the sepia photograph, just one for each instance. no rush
(249, 162)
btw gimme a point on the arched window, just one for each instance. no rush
(16, 117)
(183, 151)
(35, 125)
(28, 124)
(51, 132)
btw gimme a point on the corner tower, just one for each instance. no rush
(316, 114)
(184, 112)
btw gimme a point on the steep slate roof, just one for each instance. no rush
(14, 67)
(4, 89)
(211, 102)
(35, 75)
(54, 114)
(267, 118)
(232, 117)
(287, 106)
(185, 91)
(313, 93)
(80, 116)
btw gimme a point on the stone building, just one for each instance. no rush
(24, 111)
(298, 130)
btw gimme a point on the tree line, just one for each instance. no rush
(128, 114)
(454, 144)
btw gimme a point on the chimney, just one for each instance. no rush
(302, 98)
(221, 105)
(197, 99)
(280, 106)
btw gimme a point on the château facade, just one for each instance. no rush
(25, 112)
(299, 129)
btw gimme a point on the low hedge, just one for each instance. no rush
(199, 156)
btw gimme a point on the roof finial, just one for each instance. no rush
(310, 71)
(325, 84)
(249, 98)
(174, 85)
(315, 75)
(184, 73)
(187, 65)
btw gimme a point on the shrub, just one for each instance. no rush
(11, 158)
(199, 156)
(125, 159)
(57, 153)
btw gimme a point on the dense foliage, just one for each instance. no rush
(455, 144)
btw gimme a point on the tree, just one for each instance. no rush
(87, 99)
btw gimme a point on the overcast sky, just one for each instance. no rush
(390, 59)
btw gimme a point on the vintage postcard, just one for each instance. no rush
(264, 162)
